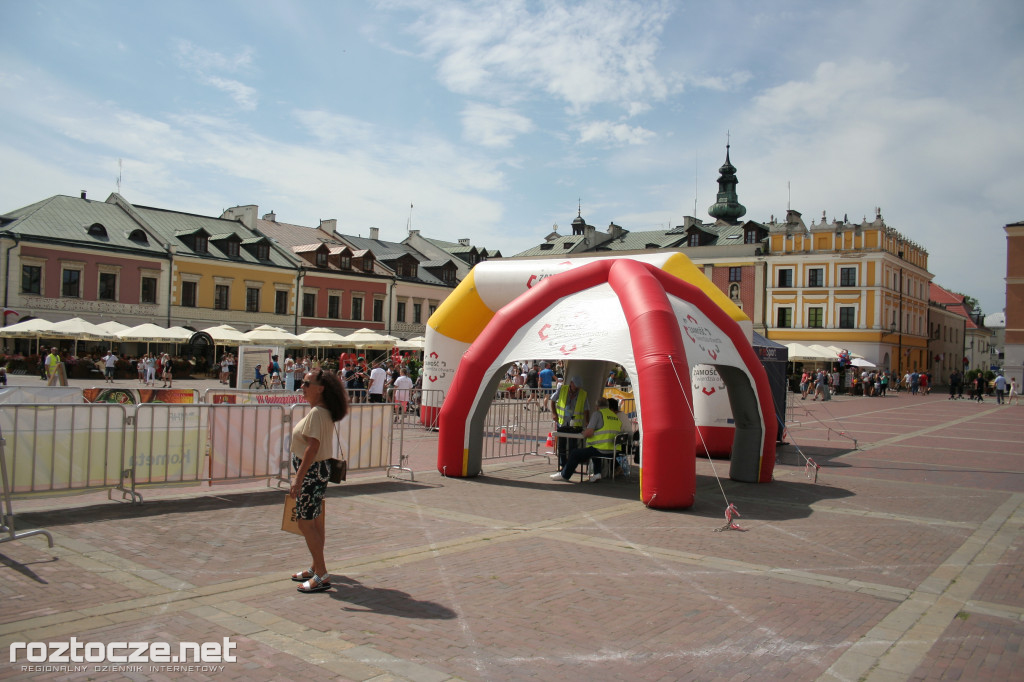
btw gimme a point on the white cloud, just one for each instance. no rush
(206, 64)
(610, 134)
(493, 126)
(596, 52)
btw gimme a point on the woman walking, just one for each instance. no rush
(311, 447)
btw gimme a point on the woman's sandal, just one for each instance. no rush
(303, 576)
(315, 584)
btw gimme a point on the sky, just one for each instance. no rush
(495, 121)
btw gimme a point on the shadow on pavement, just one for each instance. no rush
(24, 568)
(385, 601)
(207, 501)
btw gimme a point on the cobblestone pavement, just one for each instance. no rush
(902, 561)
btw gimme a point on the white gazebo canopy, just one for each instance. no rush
(150, 332)
(79, 329)
(318, 337)
(112, 326)
(225, 335)
(265, 333)
(367, 338)
(37, 326)
(800, 353)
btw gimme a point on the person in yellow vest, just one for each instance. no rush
(570, 411)
(600, 435)
(52, 362)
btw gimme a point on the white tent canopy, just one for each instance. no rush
(112, 326)
(77, 328)
(800, 353)
(150, 332)
(320, 337)
(367, 338)
(267, 334)
(415, 343)
(37, 326)
(225, 335)
(861, 362)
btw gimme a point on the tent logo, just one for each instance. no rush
(435, 368)
(705, 335)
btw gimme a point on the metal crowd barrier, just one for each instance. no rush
(7, 519)
(515, 427)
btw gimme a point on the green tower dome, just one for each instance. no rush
(727, 208)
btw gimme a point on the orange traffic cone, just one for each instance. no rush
(504, 437)
(550, 443)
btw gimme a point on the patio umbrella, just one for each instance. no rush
(225, 335)
(415, 343)
(153, 332)
(800, 353)
(861, 362)
(318, 337)
(79, 329)
(27, 329)
(369, 339)
(267, 334)
(112, 327)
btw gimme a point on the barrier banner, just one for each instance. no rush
(170, 443)
(63, 447)
(246, 441)
(41, 395)
(222, 397)
(140, 396)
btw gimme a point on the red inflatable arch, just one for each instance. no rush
(668, 474)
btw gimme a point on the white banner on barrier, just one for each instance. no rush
(171, 443)
(63, 447)
(45, 395)
(246, 442)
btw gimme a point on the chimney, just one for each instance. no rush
(589, 234)
(689, 221)
(614, 230)
(272, 217)
(83, 193)
(329, 226)
(463, 242)
(375, 233)
(414, 233)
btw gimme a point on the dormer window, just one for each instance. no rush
(345, 262)
(263, 251)
(750, 237)
(200, 243)
(139, 236)
(321, 259)
(96, 230)
(231, 249)
(368, 263)
(694, 239)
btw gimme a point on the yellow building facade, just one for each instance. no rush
(862, 287)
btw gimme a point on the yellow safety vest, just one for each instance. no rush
(578, 412)
(604, 438)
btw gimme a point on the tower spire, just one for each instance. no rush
(727, 208)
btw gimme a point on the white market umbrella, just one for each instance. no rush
(318, 337)
(37, 326)
(369, 339)
(150, 332)
(225, 335)
(112, 326)
(266, 334)
(801, 353)
(415, 343)
(77, 328)
(861, 362)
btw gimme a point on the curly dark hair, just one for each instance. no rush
(335, 396)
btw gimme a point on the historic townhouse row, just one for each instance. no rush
(100, 260)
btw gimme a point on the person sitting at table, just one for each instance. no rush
(600, 435)
(571, 411)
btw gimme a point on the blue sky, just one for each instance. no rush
(493, 118)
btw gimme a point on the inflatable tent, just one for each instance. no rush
(653, 315)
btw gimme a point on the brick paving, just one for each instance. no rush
(902, 562)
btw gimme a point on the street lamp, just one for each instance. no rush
(899, 361)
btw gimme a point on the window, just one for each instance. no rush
(400, 312)
(378, 310)
(139, 236)
(231, 248)
(816, 277)
(97, 230)
(263, 251)
(252, 300)
(847, 277)
(750, 237)
(431, 309)
(417, 309)
(786, 278)
(814, 317)
(108, 286)
(334, 307)
(70, 284)
(188, 294)
(784, 318)
(31, 279)
(345, 262)
(357, 308)
(309, 305)
(148, 294)
(847, 317)
(220, 297)
(321, 259)
(281, 303)
(201, 243)
(735, 274)
(367, 263)
(694, 239)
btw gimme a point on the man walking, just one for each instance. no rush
(1000, 388)
(378, 377)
